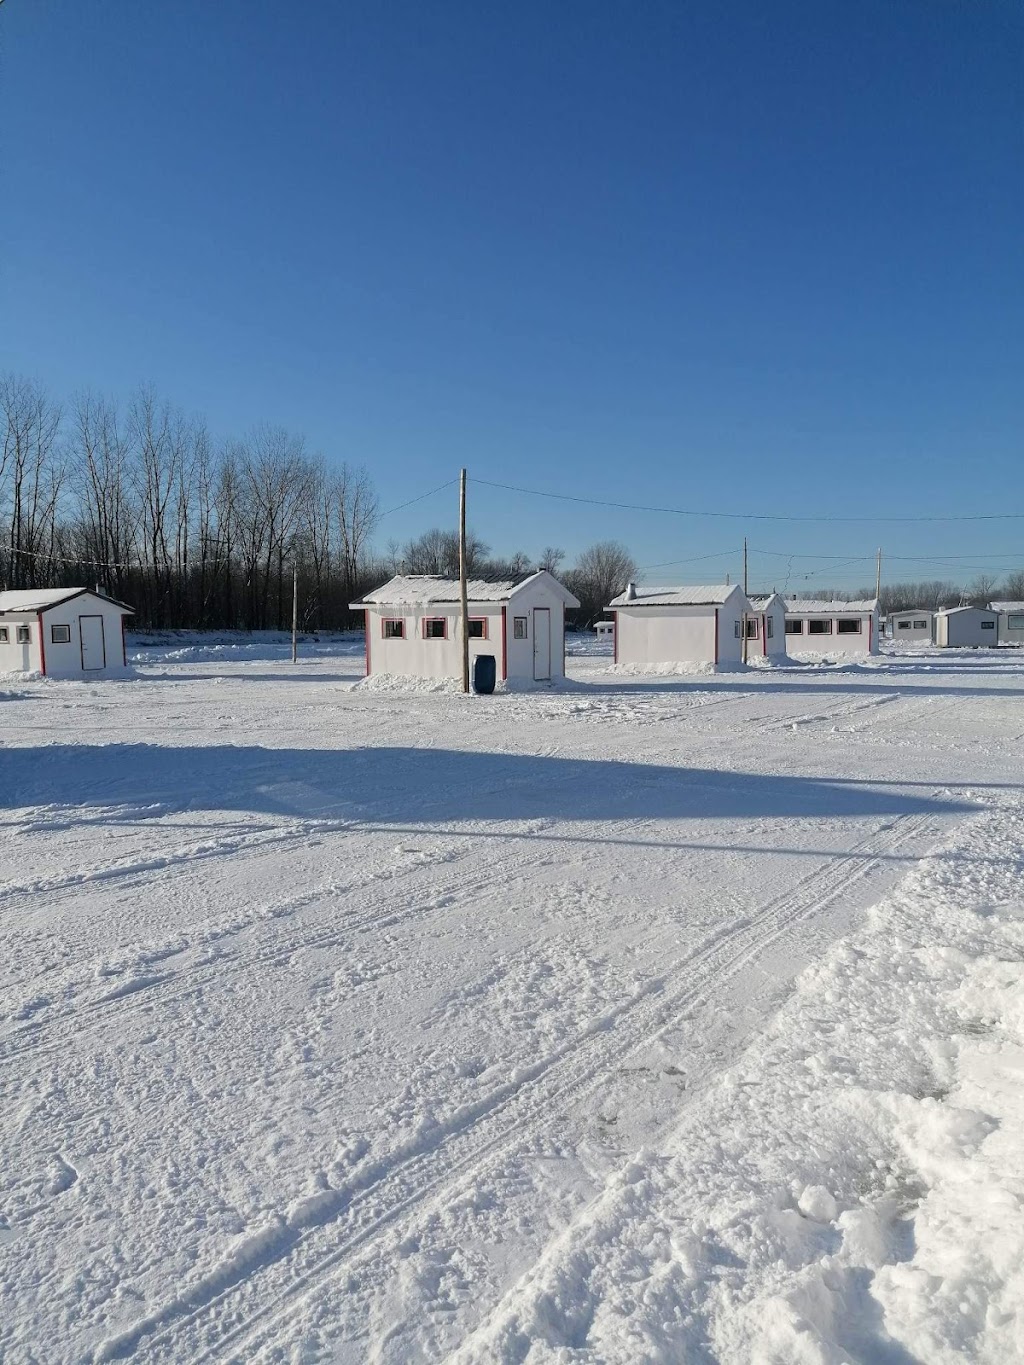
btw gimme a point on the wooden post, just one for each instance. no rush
(878, 575)
(295, 613)
(463, 589)
(743, 626)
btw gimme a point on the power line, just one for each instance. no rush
(440, 488)
(738, 516)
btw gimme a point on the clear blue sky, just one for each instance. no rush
(722, 254)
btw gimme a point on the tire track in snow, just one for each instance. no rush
(325, 1234)
(140, 992)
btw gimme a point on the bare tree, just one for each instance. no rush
(601, 573)
(550, 558)
(981, 589)
(437, 552)
(32, 474)
(1013, 586)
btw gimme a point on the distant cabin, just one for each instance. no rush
(967, 628)
(1011, 622)
(683, 625)
(917, 625)
(414, 626)
(604, 630)
(62, 633)
(771, 625)
(831, 627)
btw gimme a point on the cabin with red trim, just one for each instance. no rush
(63, 633)
(700, 625)
(816, 627)
(414, 626)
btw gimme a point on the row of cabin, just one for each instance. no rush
(1002, 623)
(707, 625)
(62, 633)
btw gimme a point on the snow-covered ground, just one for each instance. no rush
(644, 1019)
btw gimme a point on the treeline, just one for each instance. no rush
(932, 594)
(139, 502)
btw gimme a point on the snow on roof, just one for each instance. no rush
(39, 599)
(952, 611)
(422, 589)
(686, 596)
(1008, 606)
(760, 603)
(913, 611)
(798, 606)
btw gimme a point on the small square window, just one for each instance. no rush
(904, 625)
(4, 635)
(988, 625)
(753, 628)
(435, 628)
(519, 628)
(846, 626)
(394, 630)
(920, 625)
(24, 635)
(794, 626)
(478, 628)
(820, 625)
(60, 635)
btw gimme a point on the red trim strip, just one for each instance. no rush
(716, 637)
(367, 618)
(504, 644)
(871, 632)
(124, 647)
(615, 640)
(42, 646)
(764, 634)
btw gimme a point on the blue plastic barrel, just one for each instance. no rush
(485, 673)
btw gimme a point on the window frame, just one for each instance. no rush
(769, 628)
(392, 621)
(987, 625)
(518, 621)
(921, 624)
(480, 621)
(60, 625)
(820, 625)
(904, 625)
(5, 635)
(795, 625)
(427, 621)
(1015, 620)
(23, 635)
(849, 625)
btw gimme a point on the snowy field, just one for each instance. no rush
(643, 1019)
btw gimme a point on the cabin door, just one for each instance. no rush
(94, 653)
(542, 644)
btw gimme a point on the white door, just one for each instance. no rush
(542, 644)
(94, 653)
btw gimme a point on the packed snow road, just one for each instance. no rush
(331, 1013)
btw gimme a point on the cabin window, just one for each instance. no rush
(435, 628)
(60, 635)
(988, 625)
(24, 635)
(904, 625)
(519, 627)
(769, 628)
(920, 625)
(4, 635)
(753, 628)
(478, 627)
(820, 625)
(1015, 623)
(794, 626)
(394, 630)
(848, 627)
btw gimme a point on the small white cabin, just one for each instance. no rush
(966, 628)
(832, 627)
(770, 632)
(604, 630)
(1011, 622)
(414, 626)
(686, 625)
(917, 625)
(62, 633)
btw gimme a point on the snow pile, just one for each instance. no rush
(400, 682)
(672, 670)
(854, 1188)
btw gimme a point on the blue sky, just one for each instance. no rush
(731, 256)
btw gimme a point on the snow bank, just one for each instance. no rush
(673, 670)
(853, 1188)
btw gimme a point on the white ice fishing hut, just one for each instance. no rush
(686, 625)
(62, 633)
(414, 626)
(1011, 622)
(966, 628)
(917, 625)
(767, 637)
(832, 627)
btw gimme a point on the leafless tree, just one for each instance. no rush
(601, 573)
(32, 472)
(981, 590)
(550, 558)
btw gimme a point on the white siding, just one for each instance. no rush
(669, 635)
(64, 659)
(416, 657)
(967, 629)
(901, 626)
(16, 658)
(864, 641)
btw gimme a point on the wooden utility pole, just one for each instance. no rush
(295, 613)
(463, 589)
(745, 584)
(878, 574)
